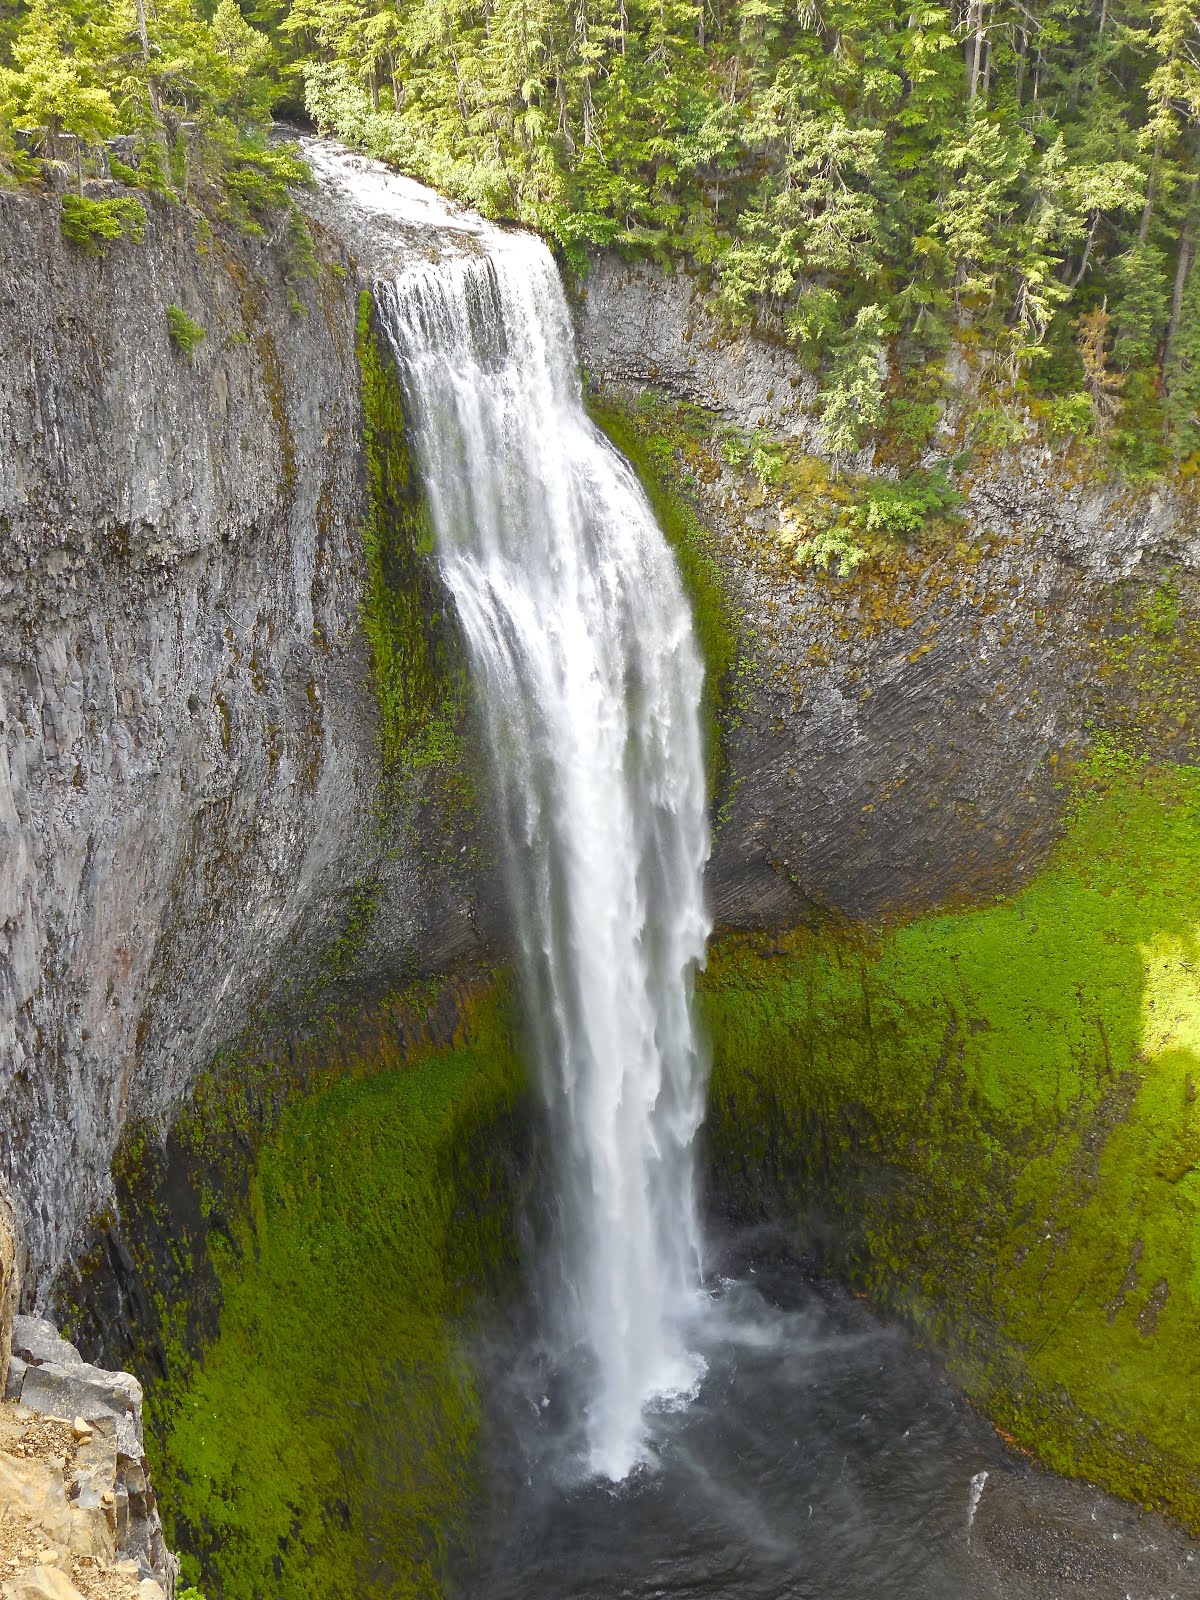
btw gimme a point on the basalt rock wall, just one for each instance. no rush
(191, 811)
(901, 732)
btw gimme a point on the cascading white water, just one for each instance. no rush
(590, 680)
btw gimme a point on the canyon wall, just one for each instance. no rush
(224, 806)
(898, 733)
(196, 823)
(191, 811)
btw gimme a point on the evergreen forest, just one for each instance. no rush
(884, 184)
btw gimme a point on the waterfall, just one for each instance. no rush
(586, 665)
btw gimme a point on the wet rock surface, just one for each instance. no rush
(1053, 1538)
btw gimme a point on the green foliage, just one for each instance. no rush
(52, 87)
(911, 422)
(835, 547)
(194, 85)
(817, 165)
(842, 178)
(902, 509)
(766, 459)
(1140, 316)
(852, 399)
(1182, 372)
(94, 224)
(1072, 416)
(1138, 441)
(997, 426)
(186, 335)
(989, 1121)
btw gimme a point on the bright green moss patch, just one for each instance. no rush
(989, 1122)
(321, 1448)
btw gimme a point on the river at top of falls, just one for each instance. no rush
(589, 679)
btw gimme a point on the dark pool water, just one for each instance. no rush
(822, 1459)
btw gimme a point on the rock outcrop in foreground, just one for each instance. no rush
(78, 1517)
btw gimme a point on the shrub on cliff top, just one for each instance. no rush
(95, 224)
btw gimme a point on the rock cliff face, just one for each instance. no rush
(189, 770)
(191, 810)
(900, 730)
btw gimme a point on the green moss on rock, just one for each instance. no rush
(419, 670)
(323, 1446)
(296, 1267)
(653, 441)
(988, 1121)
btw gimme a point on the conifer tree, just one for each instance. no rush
(51, 89)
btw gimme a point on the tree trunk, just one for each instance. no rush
(1087, 250)
(1151, 187)
(144, 38)
(975, 29)
(1022, 62)
(156, 111)
(1187, 251)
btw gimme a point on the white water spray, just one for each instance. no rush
(584, 655)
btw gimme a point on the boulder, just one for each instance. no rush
(39, 1341)
(77, 1390)
(41, 1583)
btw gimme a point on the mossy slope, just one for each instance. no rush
(322, 1446)
(291, 1273)
(988, 1121)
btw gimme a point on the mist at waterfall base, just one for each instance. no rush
(822, 1458)
(653, 1429)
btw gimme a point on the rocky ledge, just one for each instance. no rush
(78, 1516)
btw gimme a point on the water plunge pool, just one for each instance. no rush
(823, 1458)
